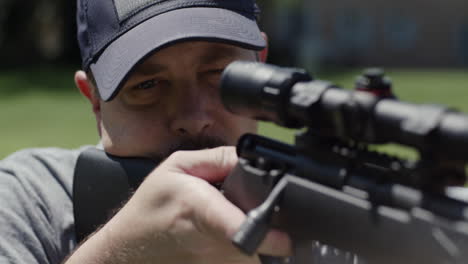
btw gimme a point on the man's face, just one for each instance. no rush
(172, 102)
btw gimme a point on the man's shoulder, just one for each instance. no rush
(38, 153)
(36, 206)
(41, 166)
(45, 156)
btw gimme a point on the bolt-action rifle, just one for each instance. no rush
(329, 186)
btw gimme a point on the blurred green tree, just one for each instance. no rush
(37, 32)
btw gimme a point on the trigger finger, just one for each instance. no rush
(276, 243)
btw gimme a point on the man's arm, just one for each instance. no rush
(177, 216)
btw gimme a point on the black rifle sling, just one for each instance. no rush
(102, 184)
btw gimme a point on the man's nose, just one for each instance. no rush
(192, 125)
(194, 115)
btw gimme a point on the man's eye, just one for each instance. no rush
(213, 75)
(146, 84)
(146, 92)
(216, 71)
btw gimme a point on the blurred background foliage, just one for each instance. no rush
(423, 45)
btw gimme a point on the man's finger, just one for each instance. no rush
(212, 165)
(276, 243)
(221, 218)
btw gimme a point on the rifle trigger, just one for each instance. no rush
(255, 227)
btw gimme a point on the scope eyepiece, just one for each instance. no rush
(260, 91)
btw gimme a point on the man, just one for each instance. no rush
(150, 71)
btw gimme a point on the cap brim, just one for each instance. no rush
(112, 67)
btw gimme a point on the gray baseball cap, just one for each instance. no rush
(115, 35)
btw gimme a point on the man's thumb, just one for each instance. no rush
(212, 165)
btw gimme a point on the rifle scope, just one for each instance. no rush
(292, 98)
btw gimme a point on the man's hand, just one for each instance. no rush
(177, 216)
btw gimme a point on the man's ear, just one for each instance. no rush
(87, 89)
(263, 54)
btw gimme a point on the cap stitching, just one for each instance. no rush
(254, 9)
(172, 7)
(87, 19)
(169, 8)
(88, 39)
(127, 16)
(116, 13)
(110, 39)
(91, 34)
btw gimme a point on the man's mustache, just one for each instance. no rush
(199, 143)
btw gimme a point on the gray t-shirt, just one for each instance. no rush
(36, 210)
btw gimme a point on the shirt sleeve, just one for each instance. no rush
(36, 210)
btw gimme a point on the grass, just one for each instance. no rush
(43, 108)
(40, 119)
